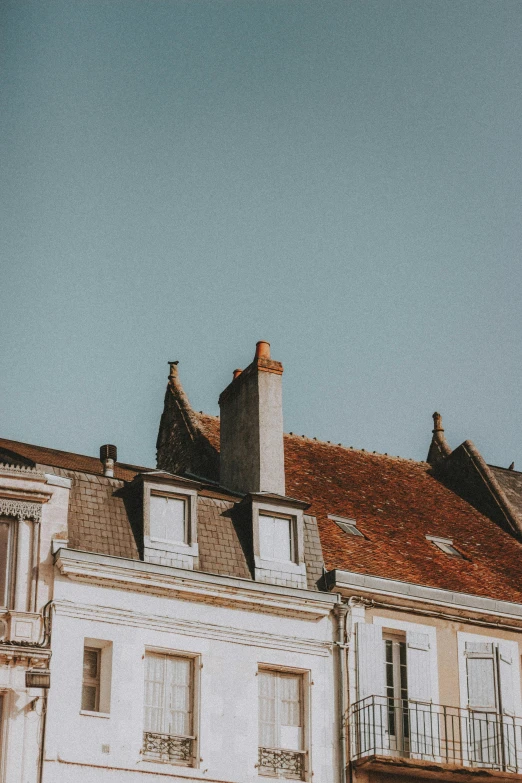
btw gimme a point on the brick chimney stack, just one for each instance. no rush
(251, 445)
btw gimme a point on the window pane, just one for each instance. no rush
(91, 679)
(280, 711)
(90, 664)
(282, 539)
(275, 538)
(167, 518)
(89, 698)
(179, 696)
(266, 537)
(168, 695)
(267, 710)
(4, 561)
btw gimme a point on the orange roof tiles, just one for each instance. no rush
(396, 503)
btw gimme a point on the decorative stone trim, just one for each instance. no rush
(22, 470)
(21, 509)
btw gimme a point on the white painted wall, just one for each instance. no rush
(232, 644)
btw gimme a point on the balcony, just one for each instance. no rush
(434, 741)
(168, 747)
(282, 763)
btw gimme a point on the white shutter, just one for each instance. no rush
(480, 667)
(424, 726)
(419, 670)
(505, 665)
(370, 661)
(371, 717)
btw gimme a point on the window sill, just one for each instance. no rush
(95, 714)
(163, 762)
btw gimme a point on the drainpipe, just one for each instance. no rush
(342, 687)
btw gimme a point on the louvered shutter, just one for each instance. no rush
(424, 727)
(505, 665)
(419, 674)
(370, 661)
(480, 667)
(372, 714)
(507, 696)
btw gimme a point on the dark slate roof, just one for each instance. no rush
(396, 503)
(511, 483)
(63, 459)
(103, 514)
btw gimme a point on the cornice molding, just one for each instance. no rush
(223, 633)
(409, 592)
(137, 576)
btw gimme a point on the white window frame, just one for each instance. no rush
(295, 567)
(104, 649)
(188, 548)
(306, 713)
(195, 659)
(186, 520)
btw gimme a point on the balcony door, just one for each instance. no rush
(396, 672)
(394, 714)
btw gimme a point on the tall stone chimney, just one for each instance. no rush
(251, 439)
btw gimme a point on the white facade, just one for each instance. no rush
(230, 628)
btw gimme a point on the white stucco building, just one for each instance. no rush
(258, 606)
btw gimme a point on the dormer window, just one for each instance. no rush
(168, 518)
(276, 538)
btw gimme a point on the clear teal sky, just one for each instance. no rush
(342, 178)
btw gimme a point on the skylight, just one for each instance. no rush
(347, 525)
(445, 545)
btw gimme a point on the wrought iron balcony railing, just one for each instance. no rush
(282, 763)
(434, 732)
(168, 747)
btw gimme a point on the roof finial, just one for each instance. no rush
(439, 447)
(174, 369)
(437, 422)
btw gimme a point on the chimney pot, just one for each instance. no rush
(262, 350)
(236, 373)
(108, 456)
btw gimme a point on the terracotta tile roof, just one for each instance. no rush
(66, 459)
(396, 503)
